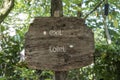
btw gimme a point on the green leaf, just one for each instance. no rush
(115, 23)
(110, 17)
(2, 28)
(1, 37)
(104, 55)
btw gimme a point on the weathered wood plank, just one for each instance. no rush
(59, 44)
(64, 66)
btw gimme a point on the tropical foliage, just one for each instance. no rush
(16, 22)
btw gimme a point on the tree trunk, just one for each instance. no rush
(6, 8)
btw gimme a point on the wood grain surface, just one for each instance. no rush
(58, 44)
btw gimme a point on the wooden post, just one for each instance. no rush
(60, 75)
(56, 8)
(57, 11)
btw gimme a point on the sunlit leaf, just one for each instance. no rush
(115, 23)
(103, 55)
(1, 37)
(110, 17)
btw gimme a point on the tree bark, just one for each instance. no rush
(6, 8)
(56, 8)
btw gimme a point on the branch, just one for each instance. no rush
(107, 34)
(6, 8)
(79, 12)
(94, 9)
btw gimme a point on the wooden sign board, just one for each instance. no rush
(59, 44)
